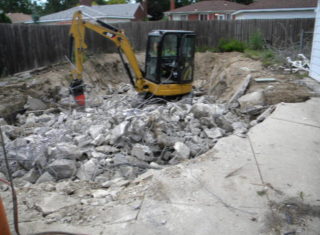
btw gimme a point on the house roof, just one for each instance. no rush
(18, 17)
(205, 6)
(276, 4)
(121, 11)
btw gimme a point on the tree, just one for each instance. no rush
(156, 8)
(116, 2)
(52, 6)
(21, 6)
(243, 1)
(4, 18)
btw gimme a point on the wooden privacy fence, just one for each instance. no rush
(24, 47)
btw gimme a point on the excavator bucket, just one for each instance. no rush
(4, 226)
(77, 90)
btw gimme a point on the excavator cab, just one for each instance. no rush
(170, 57)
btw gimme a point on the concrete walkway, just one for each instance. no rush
(267, 183)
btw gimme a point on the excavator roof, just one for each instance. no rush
(160, 32)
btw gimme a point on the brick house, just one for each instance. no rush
(205, 10)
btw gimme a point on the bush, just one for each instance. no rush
(228, 45)
(4, 18)
(256, 41)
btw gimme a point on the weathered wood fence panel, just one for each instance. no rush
(24, 47)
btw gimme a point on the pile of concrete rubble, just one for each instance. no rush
(119, 135)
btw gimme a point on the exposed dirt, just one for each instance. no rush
(219, 74)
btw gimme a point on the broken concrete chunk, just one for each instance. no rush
(31, 176)
(88, 171)
(34, 104)
(66, 151)
(100, 193)
(240, 128)
(98, 155)
(3, 122)
(52, 202)
(99, 140)
(214, 133)
(45, 177)
(252, 99)
(119, 130)
(95, 130)
(142, 152)
(241, 90)
(207, 110)
(62, 168)
(182, 150)
(107, 149)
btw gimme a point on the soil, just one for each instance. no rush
(218, 74)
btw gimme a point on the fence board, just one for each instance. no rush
(24, 47)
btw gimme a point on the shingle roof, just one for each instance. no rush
(19, 17)
(126, 11)
(272, 4)
(216, 5)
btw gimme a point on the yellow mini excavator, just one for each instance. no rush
(169, 60)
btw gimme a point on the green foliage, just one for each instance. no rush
(52, 6)
(268, 57)
(256, 41)
(116, 2)
(12, 6)
(4, 18)
(228, 45)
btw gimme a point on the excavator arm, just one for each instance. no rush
(77, 33)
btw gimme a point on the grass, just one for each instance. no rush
(268, 57)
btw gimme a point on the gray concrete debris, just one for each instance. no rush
(45, 177)
(34, 104)
(119, 130)
(242, 89)
(62, 168)
(251, 100)
(88, 170)
(96, 130)
(240, 128)
(120, 137)
(65, 151)
(182, 151)
(3, 122)
(207, 110)
(142, 152)
(107, 149)
(53, 202)
(32, 176)
(214, 133)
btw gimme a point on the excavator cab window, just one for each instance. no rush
(170, 57)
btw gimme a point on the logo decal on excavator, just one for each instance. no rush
(110, 35)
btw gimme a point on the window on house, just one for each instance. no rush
(221, 17)
(203, 17)
(180, 17)
(183, 17)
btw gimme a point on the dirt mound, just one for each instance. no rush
(221, 75)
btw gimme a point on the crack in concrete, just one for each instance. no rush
(299, 123)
